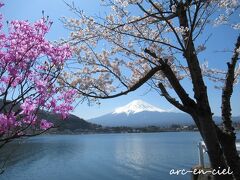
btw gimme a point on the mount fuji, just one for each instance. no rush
(141, 114)
(137, 106)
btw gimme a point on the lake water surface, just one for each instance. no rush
(140, 156)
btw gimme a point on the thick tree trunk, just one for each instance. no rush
(208, 132)
(227, 137)
(228, 144)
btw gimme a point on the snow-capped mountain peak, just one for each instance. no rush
(137, 106)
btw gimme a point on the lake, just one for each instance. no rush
(138, 156)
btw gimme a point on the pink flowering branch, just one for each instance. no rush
(29, 68)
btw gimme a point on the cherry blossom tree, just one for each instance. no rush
(29, 68)
(158, 43)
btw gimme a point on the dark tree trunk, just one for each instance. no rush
(221, 150)
(227, 136)
(228, 145)
(208, 132)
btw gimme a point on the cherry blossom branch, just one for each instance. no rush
(141, 81)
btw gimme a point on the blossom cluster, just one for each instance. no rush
(227, 9)
(29, 69)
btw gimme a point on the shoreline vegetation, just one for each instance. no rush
(98, 129)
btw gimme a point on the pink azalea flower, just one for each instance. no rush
(44, 124)
(28, 107)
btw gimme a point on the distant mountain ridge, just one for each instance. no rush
(141, 114)
(71, 124)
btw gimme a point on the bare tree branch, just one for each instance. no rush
(166, 69)
(170, 99)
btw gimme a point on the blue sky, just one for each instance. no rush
(222, 37)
